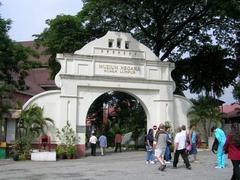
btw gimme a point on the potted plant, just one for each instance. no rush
(60, 151)
(71, 152)
(68, 139)
(15, 155)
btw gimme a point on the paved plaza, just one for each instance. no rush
(113, 166)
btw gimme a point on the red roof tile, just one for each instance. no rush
(232, 110)
(40, 49)
(36, 79)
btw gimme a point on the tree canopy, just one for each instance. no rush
(14, 64)
(172, 29)
(209, 71)
(236, 91)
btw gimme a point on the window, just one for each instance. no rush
(126, 45)
(119, 43)
(110, 43)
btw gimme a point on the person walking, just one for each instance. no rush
(93, 144)
(103, 144)
(221, 138)
(179, 148)
(232, 148)
(149, 147)
(167, 156)
(118, 141)
(160, 146)
(193, 142)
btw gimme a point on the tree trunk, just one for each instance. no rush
(205, 130)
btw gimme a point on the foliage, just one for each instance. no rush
(32, 122)
(236, 91)
(210, 70)
(128, 115)
(5, 100)
(169, 28)
(68, 139)
(205, 112)
(14, 64)
(64, 35)
(172, 29)
(137, 122)
(30, 125)
(71, 151)
(167, 124)
(60, 150)
(67, 135)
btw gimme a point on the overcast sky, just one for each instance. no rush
(29, 16)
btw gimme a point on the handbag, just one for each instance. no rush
(149, 148)
(188, 147)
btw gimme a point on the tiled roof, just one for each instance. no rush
(36, 79)
(40, 49)
(232, 110)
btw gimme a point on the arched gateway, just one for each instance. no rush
(115, 62)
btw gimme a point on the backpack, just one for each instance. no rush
(215, 145)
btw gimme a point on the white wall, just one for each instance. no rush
(181, 108)
(50, 102)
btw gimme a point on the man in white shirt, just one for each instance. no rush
(93, 142)
(179, 148)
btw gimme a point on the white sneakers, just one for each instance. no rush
(150, 162)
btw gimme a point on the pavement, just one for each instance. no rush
(113, 166)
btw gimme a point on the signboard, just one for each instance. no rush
(119, 70)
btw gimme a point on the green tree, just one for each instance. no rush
(129, 115)
(30, 125)
(169, 27)
(65, 34)
(236, 91)
(211, 70)
(14, 64)
(137, 122)
(205, 112)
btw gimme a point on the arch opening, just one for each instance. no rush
(117, 111)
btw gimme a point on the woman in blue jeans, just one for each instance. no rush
(167, 156)
(149, 147)
(193, 142)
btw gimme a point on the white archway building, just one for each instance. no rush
(115, 62)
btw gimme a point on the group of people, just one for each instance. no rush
(103, 143)
(228, 145)
(158, 145)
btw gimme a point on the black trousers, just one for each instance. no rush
(236, 170)
(116, 147)
(184, 156)
(93, 149)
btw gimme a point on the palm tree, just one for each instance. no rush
(205, 112)
(31, 124)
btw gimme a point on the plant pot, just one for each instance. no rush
(16, 157)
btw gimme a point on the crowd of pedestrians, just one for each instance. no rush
(160, 140)
(158, 147)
